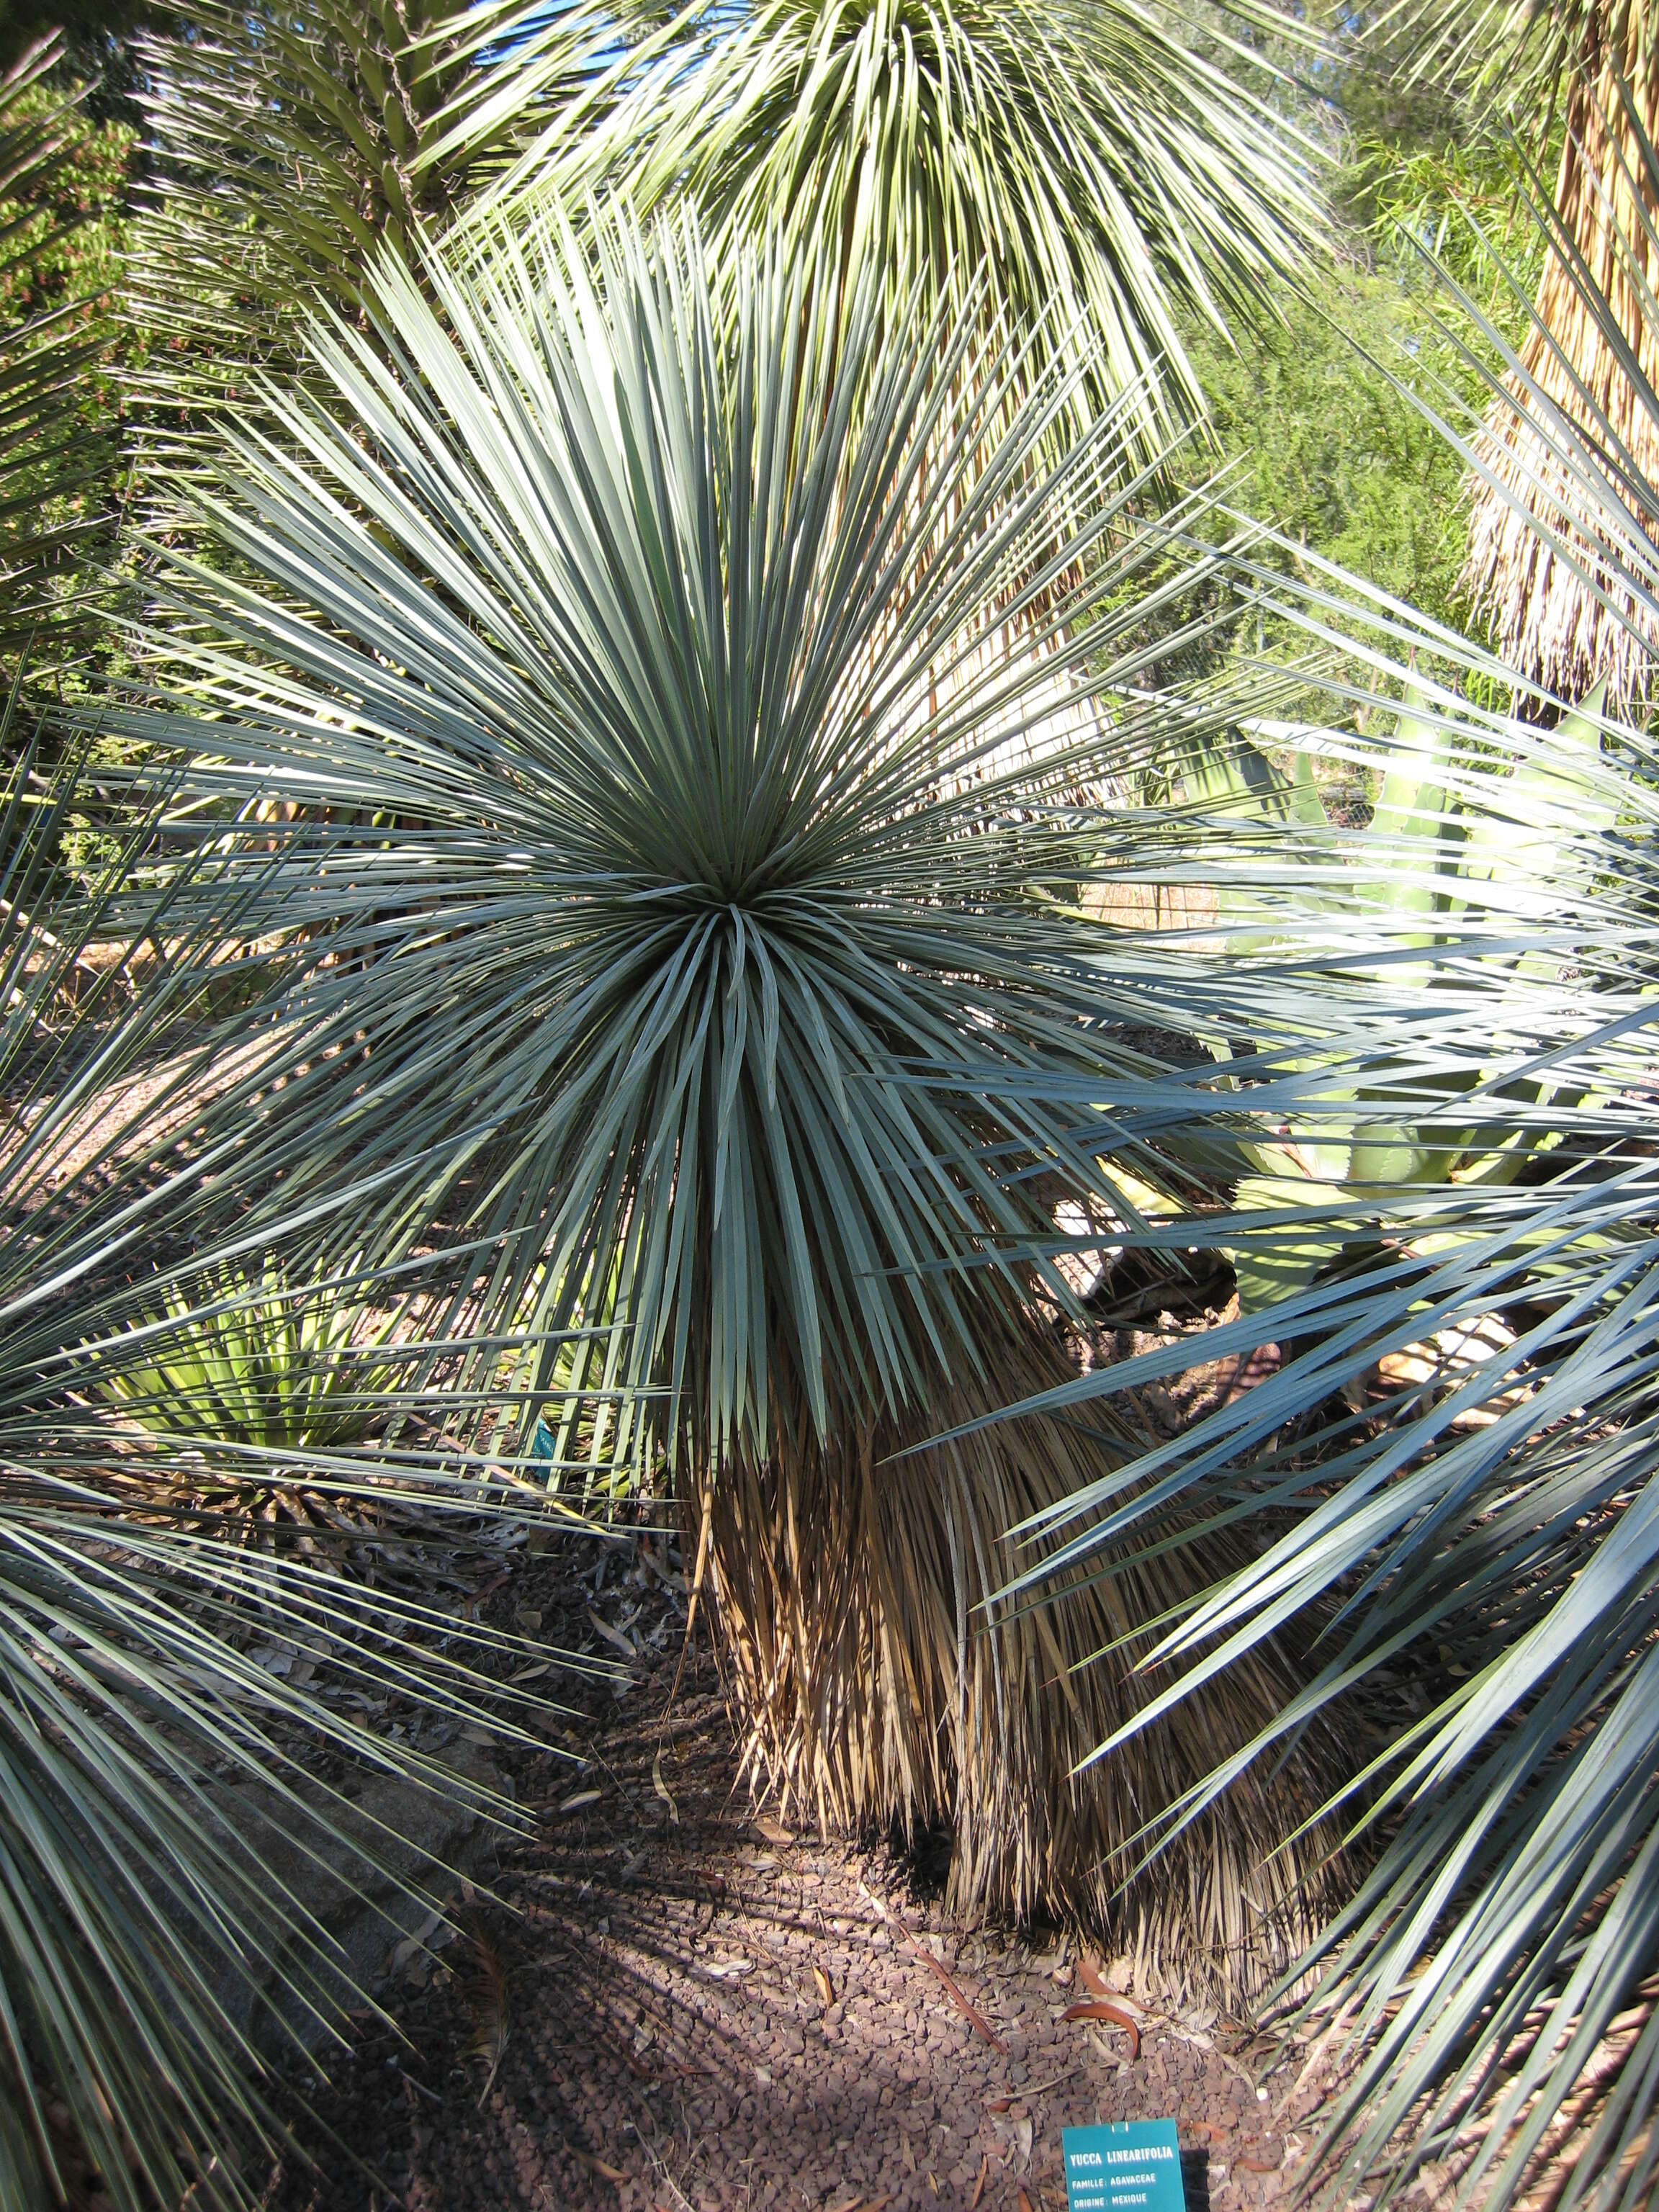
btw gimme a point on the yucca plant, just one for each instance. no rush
(160, 1797)
(668, 778)
(53, 462)
(1566, 620)
(289, 145)
(1463, 1423)
(1104, 166)
(269, 1362)
(164, 1687)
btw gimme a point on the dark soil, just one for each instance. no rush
(667, 2001)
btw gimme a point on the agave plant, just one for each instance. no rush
(1105, 167)
(1432, 840)
(680, 724)
(1464, 1421)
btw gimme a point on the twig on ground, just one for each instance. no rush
(969, 2011)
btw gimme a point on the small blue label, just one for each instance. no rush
(1131, 2165)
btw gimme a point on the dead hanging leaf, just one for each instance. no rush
(661, 1788)
(1098, 2008)
(485, 1990)
(826, 1987)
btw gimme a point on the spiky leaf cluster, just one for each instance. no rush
(680, 717)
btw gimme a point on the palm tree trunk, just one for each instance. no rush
(1549, 620)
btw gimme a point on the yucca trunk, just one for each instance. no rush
(1555, 626)
(850, 1584)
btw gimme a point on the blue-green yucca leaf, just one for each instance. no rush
(683, 720)
(1461, 1431)
(157, 1812)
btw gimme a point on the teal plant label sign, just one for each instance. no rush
(1132, 2165)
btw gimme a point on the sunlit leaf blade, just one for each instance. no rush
(1099, 164)
(1460, 1432)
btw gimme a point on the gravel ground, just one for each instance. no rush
(669, 2001)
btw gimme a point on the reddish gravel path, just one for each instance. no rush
(705, 2012)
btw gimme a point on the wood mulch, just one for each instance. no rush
(667, 2001)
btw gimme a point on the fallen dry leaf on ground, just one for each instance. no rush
(1095, 1983)
(613, 1636)
(826, 1987)
(484, 1984)
(1054, 2082)
(589, 2164)
(969, 2011)
(661, 1788)
(1098, 2008)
